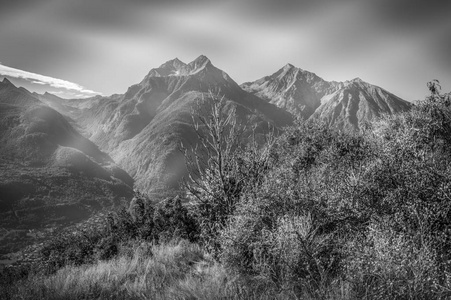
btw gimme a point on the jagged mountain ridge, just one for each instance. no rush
(48, 171)
(143, 128)
(296, 90)
(341, 104)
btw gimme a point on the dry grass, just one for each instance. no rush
(174, 271)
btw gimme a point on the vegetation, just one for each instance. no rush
(314, 213)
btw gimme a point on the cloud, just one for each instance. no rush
(46, 80)
(111, 44)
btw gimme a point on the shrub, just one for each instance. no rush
(172, 220)
(142, 221)
(346, 198)
(389, 265)
(288, 227)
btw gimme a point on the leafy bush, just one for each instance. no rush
(408, 195)
(172, 221)
(329, 203)
(389, 265)
(288, 225)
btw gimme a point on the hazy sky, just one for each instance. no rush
(108, 45)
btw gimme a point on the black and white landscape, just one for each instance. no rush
(128, 173)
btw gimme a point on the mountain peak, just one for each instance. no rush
(199, 63)
(173, 64)
(170, 68)
(202, 59)
(175, 67)
(358, 82)
(289, 66)
(47, 94)
(293, 73)
(7, 82)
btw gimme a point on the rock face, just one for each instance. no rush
(143, 128)
(342, 104)
(47, 167)
(296, 90)
(357, 102)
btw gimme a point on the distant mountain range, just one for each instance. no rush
(58, 151)
(143, 128)
(345, 105)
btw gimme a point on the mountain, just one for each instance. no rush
(143, 128)
(357, 102)
(49, 173)
(296, 90)
(341, 104)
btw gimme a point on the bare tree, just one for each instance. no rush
(214, 183)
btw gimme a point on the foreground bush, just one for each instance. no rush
(288, 226)
(372, 210)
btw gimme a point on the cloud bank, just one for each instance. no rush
(109, 45)
(62, 87)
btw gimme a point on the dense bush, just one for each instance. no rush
(404, 251)
(70, 248)
(142, 221)
(172, 221)
(288, 225)
(318, 206)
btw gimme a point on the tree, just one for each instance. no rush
(214, 184)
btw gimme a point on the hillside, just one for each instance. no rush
(49, 173)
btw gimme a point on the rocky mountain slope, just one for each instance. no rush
(49, 173)
(342, 104)
(143, 128)
(357, 102)
(296, 90)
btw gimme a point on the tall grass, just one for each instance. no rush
(177, 270)
(148, 272)
(171, 271)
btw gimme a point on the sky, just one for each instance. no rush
(82, 46)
